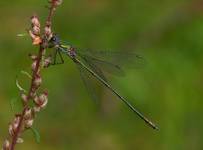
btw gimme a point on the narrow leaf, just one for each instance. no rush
(22, 34)
(36, 134)
(27, 74)
(19, 87)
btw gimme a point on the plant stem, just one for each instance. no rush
(35, 74)
(16, 135)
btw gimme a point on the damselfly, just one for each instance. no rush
(91, 63)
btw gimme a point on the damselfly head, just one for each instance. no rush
(55, 39)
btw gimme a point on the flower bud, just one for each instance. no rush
(47, 30)
(37, 109)
(32, 35)
(35, 21)
(36, 30)
(6, 145)
(42, 100)
(11, 130)
(37, 81)
(20, 140)
(34, 64)
(32, 93)
(14, 125)
(56, 2)
(24, 97)
(16, 122)
(29, 123)
(36, 40)
(28, 114)
(47, 62)
(33, 57)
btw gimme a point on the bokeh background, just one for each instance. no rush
(168, 89)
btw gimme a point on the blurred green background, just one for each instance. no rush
(168, 89)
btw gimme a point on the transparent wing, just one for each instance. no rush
(88, 83)
(123, 99)
(113, 61)
(105, 66)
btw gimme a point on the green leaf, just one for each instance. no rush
(36, 134)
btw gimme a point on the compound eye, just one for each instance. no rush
(54, 38)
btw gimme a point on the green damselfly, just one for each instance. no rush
(89, 64)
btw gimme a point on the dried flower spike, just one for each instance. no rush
(25, 119)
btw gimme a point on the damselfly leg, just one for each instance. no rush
(55, 57)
